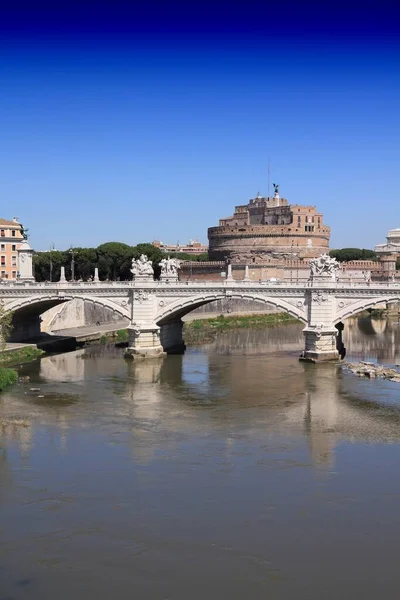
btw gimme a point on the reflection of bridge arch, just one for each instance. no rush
(37, 305)
(183, 306)
(364, 304)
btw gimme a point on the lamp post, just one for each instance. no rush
(51, 260)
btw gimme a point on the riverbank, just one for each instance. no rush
(205, 330)
(18, 355)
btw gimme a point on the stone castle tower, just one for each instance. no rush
(269, 227)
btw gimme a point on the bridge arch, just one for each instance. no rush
(27, 310)
(40, 303)
(364, 304)
(178, 309)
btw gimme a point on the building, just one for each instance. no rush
(193, 247)
(11, 238)
(269, 228)
(392, 245)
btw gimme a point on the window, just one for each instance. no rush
(2, 233)
(13, 247)
(14, 274)
(13, 261)
(3, 247)
(13, 233)
(3, 261)
(4, 275)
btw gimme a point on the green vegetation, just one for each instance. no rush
(20, 355)
(5, 325)
(345, 254)
(7, 377)
(104, 339)
(122, 335)
(114, 260)
(205, 330)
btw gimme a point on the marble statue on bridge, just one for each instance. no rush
(142, 267)
(169, 268)
(324, 266)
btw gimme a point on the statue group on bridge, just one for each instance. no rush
(142, 267)
(324, 266)
(169, 267)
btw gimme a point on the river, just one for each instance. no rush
(234, 471)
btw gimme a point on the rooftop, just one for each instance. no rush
(7, 222)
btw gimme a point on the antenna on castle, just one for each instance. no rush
(268, 178)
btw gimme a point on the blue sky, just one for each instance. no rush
(132, 125)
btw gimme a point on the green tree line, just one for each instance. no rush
(345, 254)
(113, 259)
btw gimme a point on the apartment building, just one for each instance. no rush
(11, 237)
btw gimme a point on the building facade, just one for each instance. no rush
(193, 247)
(269, 228)
(11, 238)
(392, 245)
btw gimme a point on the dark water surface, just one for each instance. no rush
(234, 471)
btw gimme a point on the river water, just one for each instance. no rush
(234, 471)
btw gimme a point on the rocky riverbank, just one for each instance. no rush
(373, 371)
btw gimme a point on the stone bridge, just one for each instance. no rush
(155, 308)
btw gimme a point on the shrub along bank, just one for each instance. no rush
(7, 377)
(205, 330)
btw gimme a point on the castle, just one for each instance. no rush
(269, 228)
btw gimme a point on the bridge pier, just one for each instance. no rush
(144, 341)
(320, 333)
(320, 344)
(171, 337)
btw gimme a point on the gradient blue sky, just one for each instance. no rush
(130, 123)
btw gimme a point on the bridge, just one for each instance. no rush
(155, 308)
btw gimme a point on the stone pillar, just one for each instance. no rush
(96, 274)
(246, 273)
(144, 341)
(320, 333)
(229, 276)
(25, 266)
(62, 275)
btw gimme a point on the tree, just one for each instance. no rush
(85, 260)
(47, 265)
(5, 325)
(346, 254)
(114, 260)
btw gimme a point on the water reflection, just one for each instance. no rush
(246, 383)
(239, 462)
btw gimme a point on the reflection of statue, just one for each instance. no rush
(169, 267)
(276, 188)
(142, 267)
(324, 265)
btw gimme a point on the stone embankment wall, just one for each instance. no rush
(77, 313)
(226, 307)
